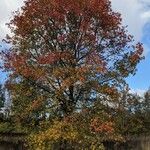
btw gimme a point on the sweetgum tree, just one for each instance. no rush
(64, 55)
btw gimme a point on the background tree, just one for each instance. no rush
(2, 101)
(146, 112)
(2, 97)
(133, 117)
(146, 102)
(65, 55)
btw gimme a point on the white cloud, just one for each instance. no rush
(135, 14)
(140, 92)
(146, 15)
(6, 9)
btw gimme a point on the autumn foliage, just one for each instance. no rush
(64, 56)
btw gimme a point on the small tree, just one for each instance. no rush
(2, 97)
(146, 102)
(2, 101)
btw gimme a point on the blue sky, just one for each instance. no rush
(135, 14)
(141, 81)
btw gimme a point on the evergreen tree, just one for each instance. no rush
(2, 97)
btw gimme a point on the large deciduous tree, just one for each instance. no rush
(66, 53)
